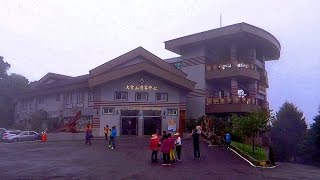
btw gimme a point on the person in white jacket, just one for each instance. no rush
(178, 145)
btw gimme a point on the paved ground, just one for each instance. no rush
(131, 160)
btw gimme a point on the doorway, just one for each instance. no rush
(151, 122)
(129, 125)
(129, 122)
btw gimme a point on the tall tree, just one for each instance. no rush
(315, 131)
(251, 125)
(288, 131)
(10, 86)
(4, 66)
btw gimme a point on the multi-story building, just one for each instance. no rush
(219, 72)
(228, 66)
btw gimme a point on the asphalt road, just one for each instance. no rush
(131, 160)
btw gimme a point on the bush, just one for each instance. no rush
(53, 124)
(37, 120)
(191, 124)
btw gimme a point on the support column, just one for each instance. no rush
(234, 88)
(253, 88)
(140, 123)
(233, 56)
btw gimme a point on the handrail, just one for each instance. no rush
(219, 67)
(230, 100)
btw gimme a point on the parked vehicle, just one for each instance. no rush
(8, 133)
(2, 130)
(23, 136)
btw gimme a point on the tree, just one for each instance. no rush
(250, 125)
(10, 86)
(38, 119)
(288, 131)
(315, 136)
(4, 66)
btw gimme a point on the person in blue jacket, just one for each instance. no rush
(228, 140)
(113, 137)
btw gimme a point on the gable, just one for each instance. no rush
(138, 52)
(142, 67)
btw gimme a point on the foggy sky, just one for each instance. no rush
(72, 37)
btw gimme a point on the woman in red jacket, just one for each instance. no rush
(165, 149)
(154, 145)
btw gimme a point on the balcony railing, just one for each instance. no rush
(231, 100)
(217, 67)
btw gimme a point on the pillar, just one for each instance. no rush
(253, 87)
(233, 56)
(234, 88)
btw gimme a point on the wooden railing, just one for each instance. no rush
(230, 100)
(217, 67)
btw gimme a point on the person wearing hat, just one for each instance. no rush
(154, 146)
(178, 145)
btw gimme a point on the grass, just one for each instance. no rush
(259, 153)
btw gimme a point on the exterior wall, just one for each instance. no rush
(176, 100)
(193, 64)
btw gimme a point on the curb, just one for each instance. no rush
(270, 167)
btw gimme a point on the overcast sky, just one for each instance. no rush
(72, 36)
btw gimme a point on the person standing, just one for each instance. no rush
(178, 145)
(172, 141)
(106, 132)
(228, 140)
(165, 149)
(113, 137)
(196, 144)
(164, 136)
(88, 134)
(154, 146)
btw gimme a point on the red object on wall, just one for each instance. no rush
(70, 126)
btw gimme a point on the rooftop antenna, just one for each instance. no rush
(220, 20)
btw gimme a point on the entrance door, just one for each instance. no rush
(182, 121)
(129, 125)
(152, 125)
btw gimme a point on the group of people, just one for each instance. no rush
(113, 135)
(168, 144)
(107, 131)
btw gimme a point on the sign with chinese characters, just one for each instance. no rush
(141, 88)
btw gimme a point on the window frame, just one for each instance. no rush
(90, 96)
(115, 95)
(160, 96)
(58, 97)
(80, 96)
(172, 114)
(147, 96)
(108, 112)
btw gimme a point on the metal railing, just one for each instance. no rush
(218, 67)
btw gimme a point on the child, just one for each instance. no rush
(178, 146)
(154, 142)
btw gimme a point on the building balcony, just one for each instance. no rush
(214, 71)
(232, 105)
(264, 79)
(262, 89)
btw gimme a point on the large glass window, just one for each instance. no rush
(141, 96)
(90, 96)
(121, 95)
(162, 96)
(68, 98)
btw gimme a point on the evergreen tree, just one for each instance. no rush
(288, 132)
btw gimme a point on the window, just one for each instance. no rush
(141, 96)
(58, 97)
(121, 95)
(177, 65)
(68, 98)
(40, 100)
(173, 112)
(80, 96)
(108, 110)
(90, 96)
(162, 96)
